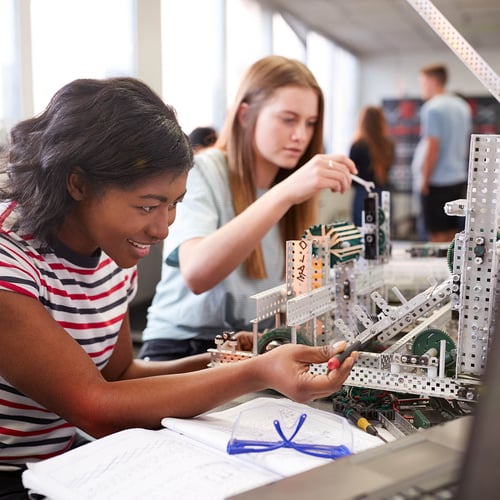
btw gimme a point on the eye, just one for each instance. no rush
(147, 209)
(173, 206)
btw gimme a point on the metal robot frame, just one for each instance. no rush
(329, 305)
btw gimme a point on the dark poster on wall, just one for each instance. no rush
(403, 118)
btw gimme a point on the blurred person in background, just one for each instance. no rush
(202, 138)
(446, 125)
(373, 153)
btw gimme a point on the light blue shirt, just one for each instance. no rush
(177, 313)
(448, 118)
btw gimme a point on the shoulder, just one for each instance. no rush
(211, 160)
(431, 104)
(359, 148)
(209, 168)
(23, 261)
(359, 145)
(444, 101)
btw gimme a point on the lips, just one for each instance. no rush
(294, 153)
(138, 245)
(140, 250)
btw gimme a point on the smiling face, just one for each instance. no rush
(123, 223)
(284, 129)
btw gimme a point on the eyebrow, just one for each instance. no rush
(294, 113)
(162, 199)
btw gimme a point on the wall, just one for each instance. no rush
(396, 76)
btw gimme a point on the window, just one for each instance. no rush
(80, 39)
(10, 68)
(193, 71)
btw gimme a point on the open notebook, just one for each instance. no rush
(188, 458)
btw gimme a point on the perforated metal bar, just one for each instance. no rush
(269, 302)
(479, 271)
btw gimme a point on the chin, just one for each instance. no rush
(288, 162)
(124, 262)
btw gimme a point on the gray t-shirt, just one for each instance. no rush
(177, 313)
(448, 118)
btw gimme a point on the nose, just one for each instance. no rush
(300, 132)
(158, 227)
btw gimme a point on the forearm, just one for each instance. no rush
(144, 402)
(140, 368)
(230, 245)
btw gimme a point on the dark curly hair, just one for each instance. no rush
(116, 131)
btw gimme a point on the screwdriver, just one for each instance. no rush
(352, 415)
(336, 361)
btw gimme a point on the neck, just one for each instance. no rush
(265, 172)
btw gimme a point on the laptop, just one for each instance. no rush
(458, 459)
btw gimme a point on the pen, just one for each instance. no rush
(336, 361)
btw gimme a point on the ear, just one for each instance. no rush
(242, 114)
(76, 184)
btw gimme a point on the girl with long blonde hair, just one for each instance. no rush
(245, 197)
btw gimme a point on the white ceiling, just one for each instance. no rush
(374, 27)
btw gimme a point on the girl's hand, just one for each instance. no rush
(286, 369)
(321, 172)
(245, 340)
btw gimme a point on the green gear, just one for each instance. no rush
(450, 255)
(431, 338)
(381, 216)
(381, 241)
(345, 240)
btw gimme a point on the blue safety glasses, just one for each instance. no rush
(236, 446)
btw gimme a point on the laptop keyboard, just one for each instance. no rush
(444, 492)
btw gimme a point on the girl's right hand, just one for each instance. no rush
(286, 370)
(321, 172)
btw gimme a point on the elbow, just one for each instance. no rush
(196, 288)
(91, 415)
(196, 282)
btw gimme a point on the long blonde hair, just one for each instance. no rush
(257, 86)
(372, 129)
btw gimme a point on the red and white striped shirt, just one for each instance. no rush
(88, 297)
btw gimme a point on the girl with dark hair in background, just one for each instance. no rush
(202, 138)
